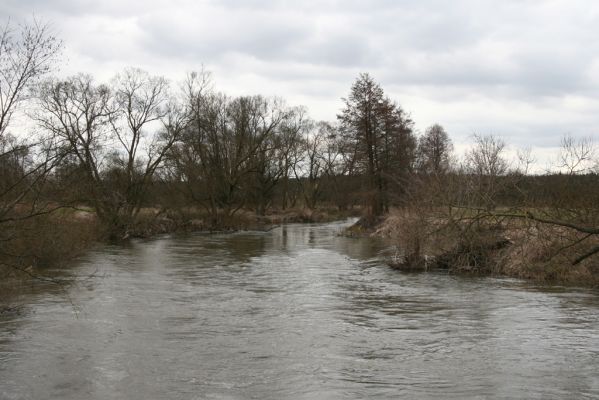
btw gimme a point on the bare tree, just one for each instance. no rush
(434, 150)
(141, 101)
(108, 132)
(577, 156)
(270, 160)
(78, 113)
(339, 167)
(526, 159)
(232, 152)
(310, 163)
(290, 133)
(486, 157)
(27, 53)
(486, 163)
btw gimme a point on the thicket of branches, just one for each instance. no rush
(486, 213)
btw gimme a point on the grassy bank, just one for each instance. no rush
(517, 248)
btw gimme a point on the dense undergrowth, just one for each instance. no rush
(517, 248)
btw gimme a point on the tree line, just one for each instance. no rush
(113, 146)
(141, 142)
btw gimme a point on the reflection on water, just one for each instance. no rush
(297, 312)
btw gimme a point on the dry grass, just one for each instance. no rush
(546, 253)
(35, 244)
(44, 241)
(515, 248)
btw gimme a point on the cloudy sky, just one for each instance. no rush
(525, 70)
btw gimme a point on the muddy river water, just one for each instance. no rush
(294, 313)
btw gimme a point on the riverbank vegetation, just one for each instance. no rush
(83, 161)
(481, 216)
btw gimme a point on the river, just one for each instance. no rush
(295, 313)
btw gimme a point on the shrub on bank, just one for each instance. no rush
(46, 241)
(516, 248)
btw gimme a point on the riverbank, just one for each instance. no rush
(508, 247)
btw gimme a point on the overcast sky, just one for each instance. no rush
(526, 70)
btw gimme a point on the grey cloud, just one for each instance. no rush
(553, 73)
(284, 37)
(25, 8)
(212, 36)
(437, 51)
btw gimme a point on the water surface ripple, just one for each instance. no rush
(294, 313)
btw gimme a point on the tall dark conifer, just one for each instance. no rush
(379, 134)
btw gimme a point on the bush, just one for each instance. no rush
(46, 241)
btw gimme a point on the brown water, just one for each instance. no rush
(295, 313)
